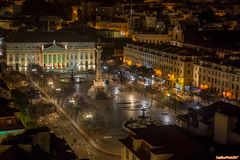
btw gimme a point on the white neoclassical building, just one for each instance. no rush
(51, 50)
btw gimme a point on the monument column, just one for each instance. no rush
(98, 71)
(97, 90)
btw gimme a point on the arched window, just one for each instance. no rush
(91, 56)
(81, 56)
(86, 56)
(10, 59)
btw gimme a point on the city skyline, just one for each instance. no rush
(119, 80)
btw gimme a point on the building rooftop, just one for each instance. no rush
(206, 113)
(164, 47)
(223, 61)
(59, 148)
(168, 140)
(15, 152)
(21, 37)
(221, 107)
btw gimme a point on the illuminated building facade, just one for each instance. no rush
(151, 38)
(219, 75)
(174, 64)
(51, 50)
(118, 25)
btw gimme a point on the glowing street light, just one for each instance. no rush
(72, 101)
(88, 116)
(50, 83)
(58, 90)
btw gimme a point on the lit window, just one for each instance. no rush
(9, 121)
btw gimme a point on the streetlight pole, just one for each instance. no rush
(152, 89)
(58, 92)
(72, 101)
(50, 83)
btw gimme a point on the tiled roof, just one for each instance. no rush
(169, 140)
(21, 37)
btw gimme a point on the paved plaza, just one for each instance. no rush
(93, 127)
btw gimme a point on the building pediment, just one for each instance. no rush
(53, 47)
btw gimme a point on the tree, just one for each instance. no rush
(20, 99)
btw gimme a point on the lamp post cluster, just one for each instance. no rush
(58, 90)
(75, 105)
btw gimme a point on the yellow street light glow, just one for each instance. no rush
(129, 62)
(50, 83)
(158, 72)
(88, 115)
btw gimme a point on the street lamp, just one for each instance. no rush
(88, 116)
(152, 82)
(75, 107)
(72, 101)
(168, 97)
(58, 91)
(50, 83)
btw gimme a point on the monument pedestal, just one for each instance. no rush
(97, 90)
(98, 83)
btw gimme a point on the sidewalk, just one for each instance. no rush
(81, 130)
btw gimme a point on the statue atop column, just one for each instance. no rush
(98, 82)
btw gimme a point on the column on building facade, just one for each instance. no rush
(57, 60)
(94, 62)
(7, 59)
(61, 63)
(35, 58)
(41, 58)
(47, 60)
(79, 55)
(25, 60)
(52, 60)
(13, 57)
